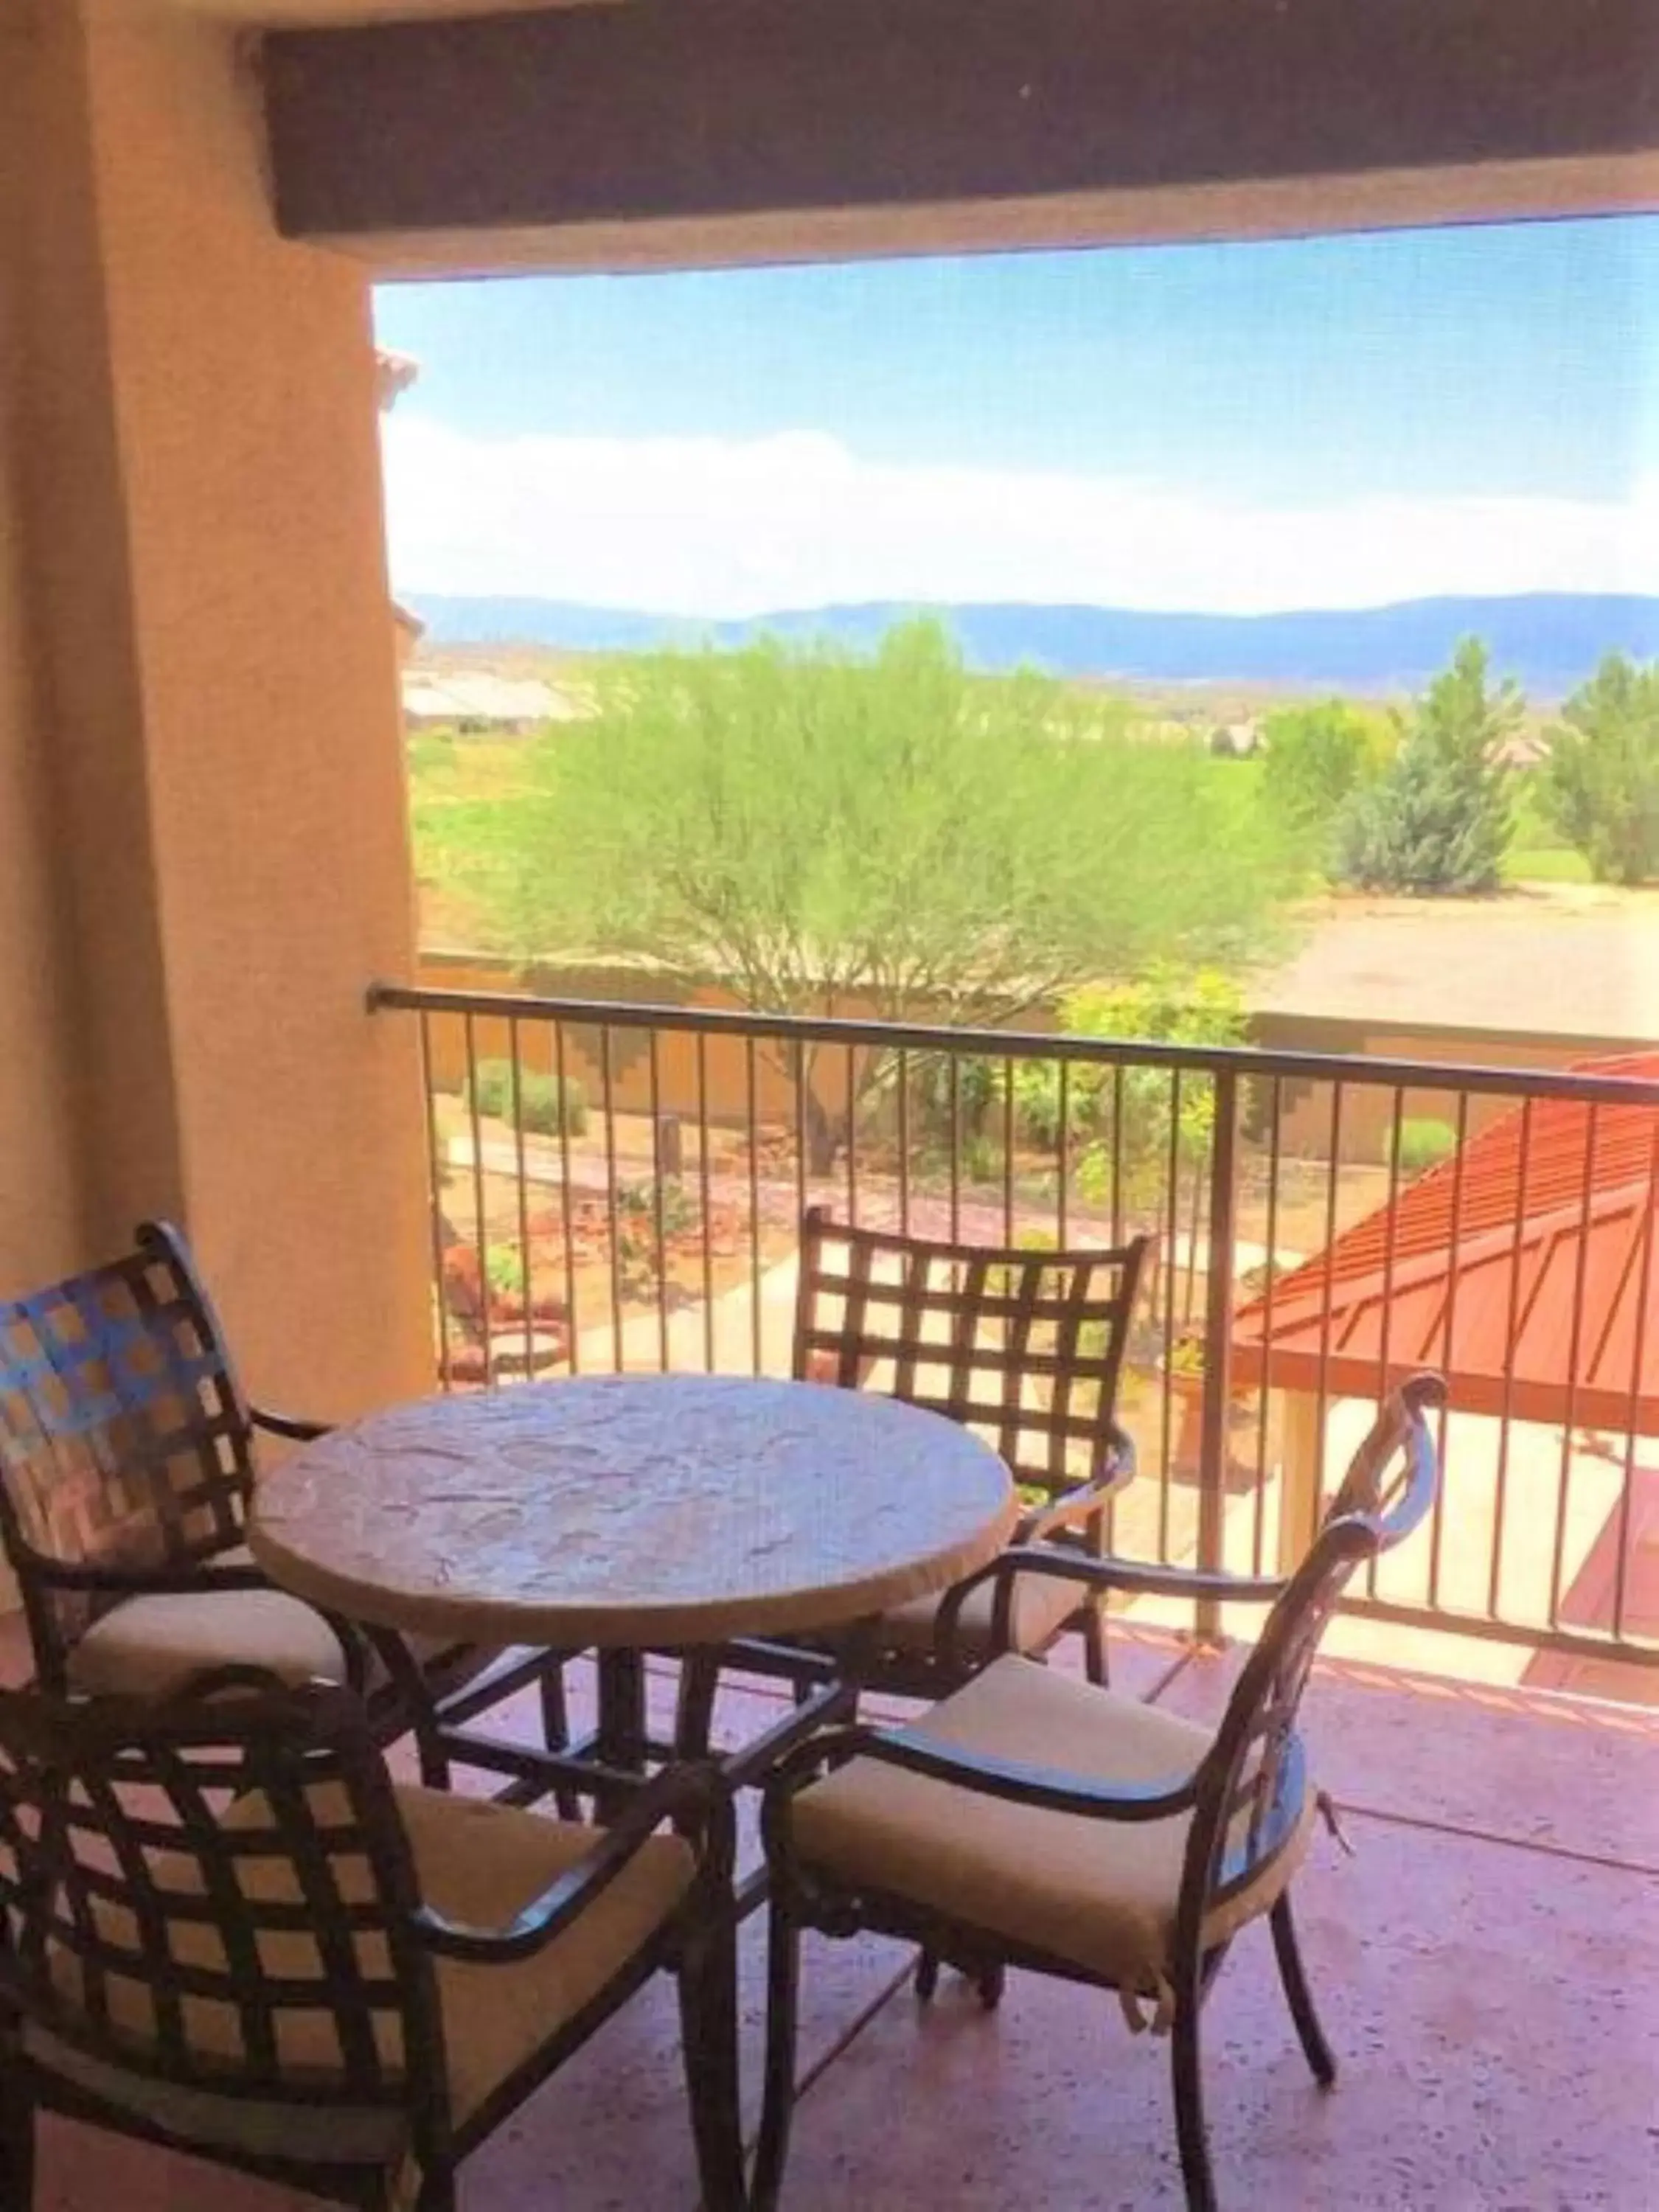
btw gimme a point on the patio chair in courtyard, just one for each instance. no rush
(1025, 1347)
(227, 1932)
(127, 1462)
(1035, 1820)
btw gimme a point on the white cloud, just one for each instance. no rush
(730, 528)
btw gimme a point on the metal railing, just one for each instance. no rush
(618, 1186)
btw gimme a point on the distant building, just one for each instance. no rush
(471, 701)
(1235, 740)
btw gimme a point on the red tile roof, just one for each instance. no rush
(1540, 1232)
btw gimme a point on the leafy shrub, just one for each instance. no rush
(1317, 756)
(1424, 1143)
(538, 1098)
(977, 1089)
(637, 1205)
(504, 1269)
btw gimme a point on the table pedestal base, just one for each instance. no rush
(612, 1759)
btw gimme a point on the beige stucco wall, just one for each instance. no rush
(213, 694)
(38, 1202)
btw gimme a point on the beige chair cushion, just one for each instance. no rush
(477, 1863)
(149, 1647)
(1098, 1893)
(482, 1863)
(1041, 1603)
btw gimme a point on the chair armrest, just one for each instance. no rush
(694, 1796)
(285, 1424)
(1111, 1573)
(1050, 1788)
(147, 1582)
(1078, 1507)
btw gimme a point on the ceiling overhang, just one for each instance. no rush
(656, 132)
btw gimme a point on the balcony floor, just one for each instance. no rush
(1487, 1965)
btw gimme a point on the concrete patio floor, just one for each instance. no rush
(1487, 1964)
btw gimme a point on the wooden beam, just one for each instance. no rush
(671, 111)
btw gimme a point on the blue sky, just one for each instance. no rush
(1331, 421)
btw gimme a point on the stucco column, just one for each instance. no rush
(214, 713)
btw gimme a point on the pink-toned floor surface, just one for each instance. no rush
(1486, 1964)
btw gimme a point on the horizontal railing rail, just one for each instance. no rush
(1020, 1044)
(619, 1185)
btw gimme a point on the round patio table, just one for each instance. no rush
(630, 1513)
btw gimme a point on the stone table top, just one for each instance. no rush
(627, 1510)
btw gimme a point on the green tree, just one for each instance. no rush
(893, 832)
(1168, 1004)
(1601, 783)
(1317, 756)
(1437, 819)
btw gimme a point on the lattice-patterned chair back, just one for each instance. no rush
(1024, 1347)
(1254, 1785)
(125, 1439)
(210, 1901)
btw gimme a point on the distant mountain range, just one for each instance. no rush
(1550, 640)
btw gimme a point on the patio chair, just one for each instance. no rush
(228, 1933)
(1035, 1820)
(127, 1462)
(1024, 1347)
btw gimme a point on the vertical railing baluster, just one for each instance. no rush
(435, 1169)
(1633, 1419)
(1218, 1339)
(608, 1094)
(1264, 1396)
(751, 1091)
(803, 1076)
(480, 1230)
(1062, 1150)
(1315, 1502)
(704, 1203)
(852, 1137)
(1171, 1267)
(953, 1066)
(1117, 1152)
(1008, 1151)
(516, 1081)
(1392, 1216)
(567, 1214)
(659, 1195)
(904, 1140)
(1500, 1492)
(1575, 1348)
(1448, 1352)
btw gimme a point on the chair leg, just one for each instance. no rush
(1317, 2050)
(430, 1755)
(16, 2141)
(694, 1710)
(555, 1717)
(1190, 2132)
(437, 2193)
(926, 1980)
(708, 2030)
(1096, 1664)
(777, 2110)
(989, 1981)
(556, 1730)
